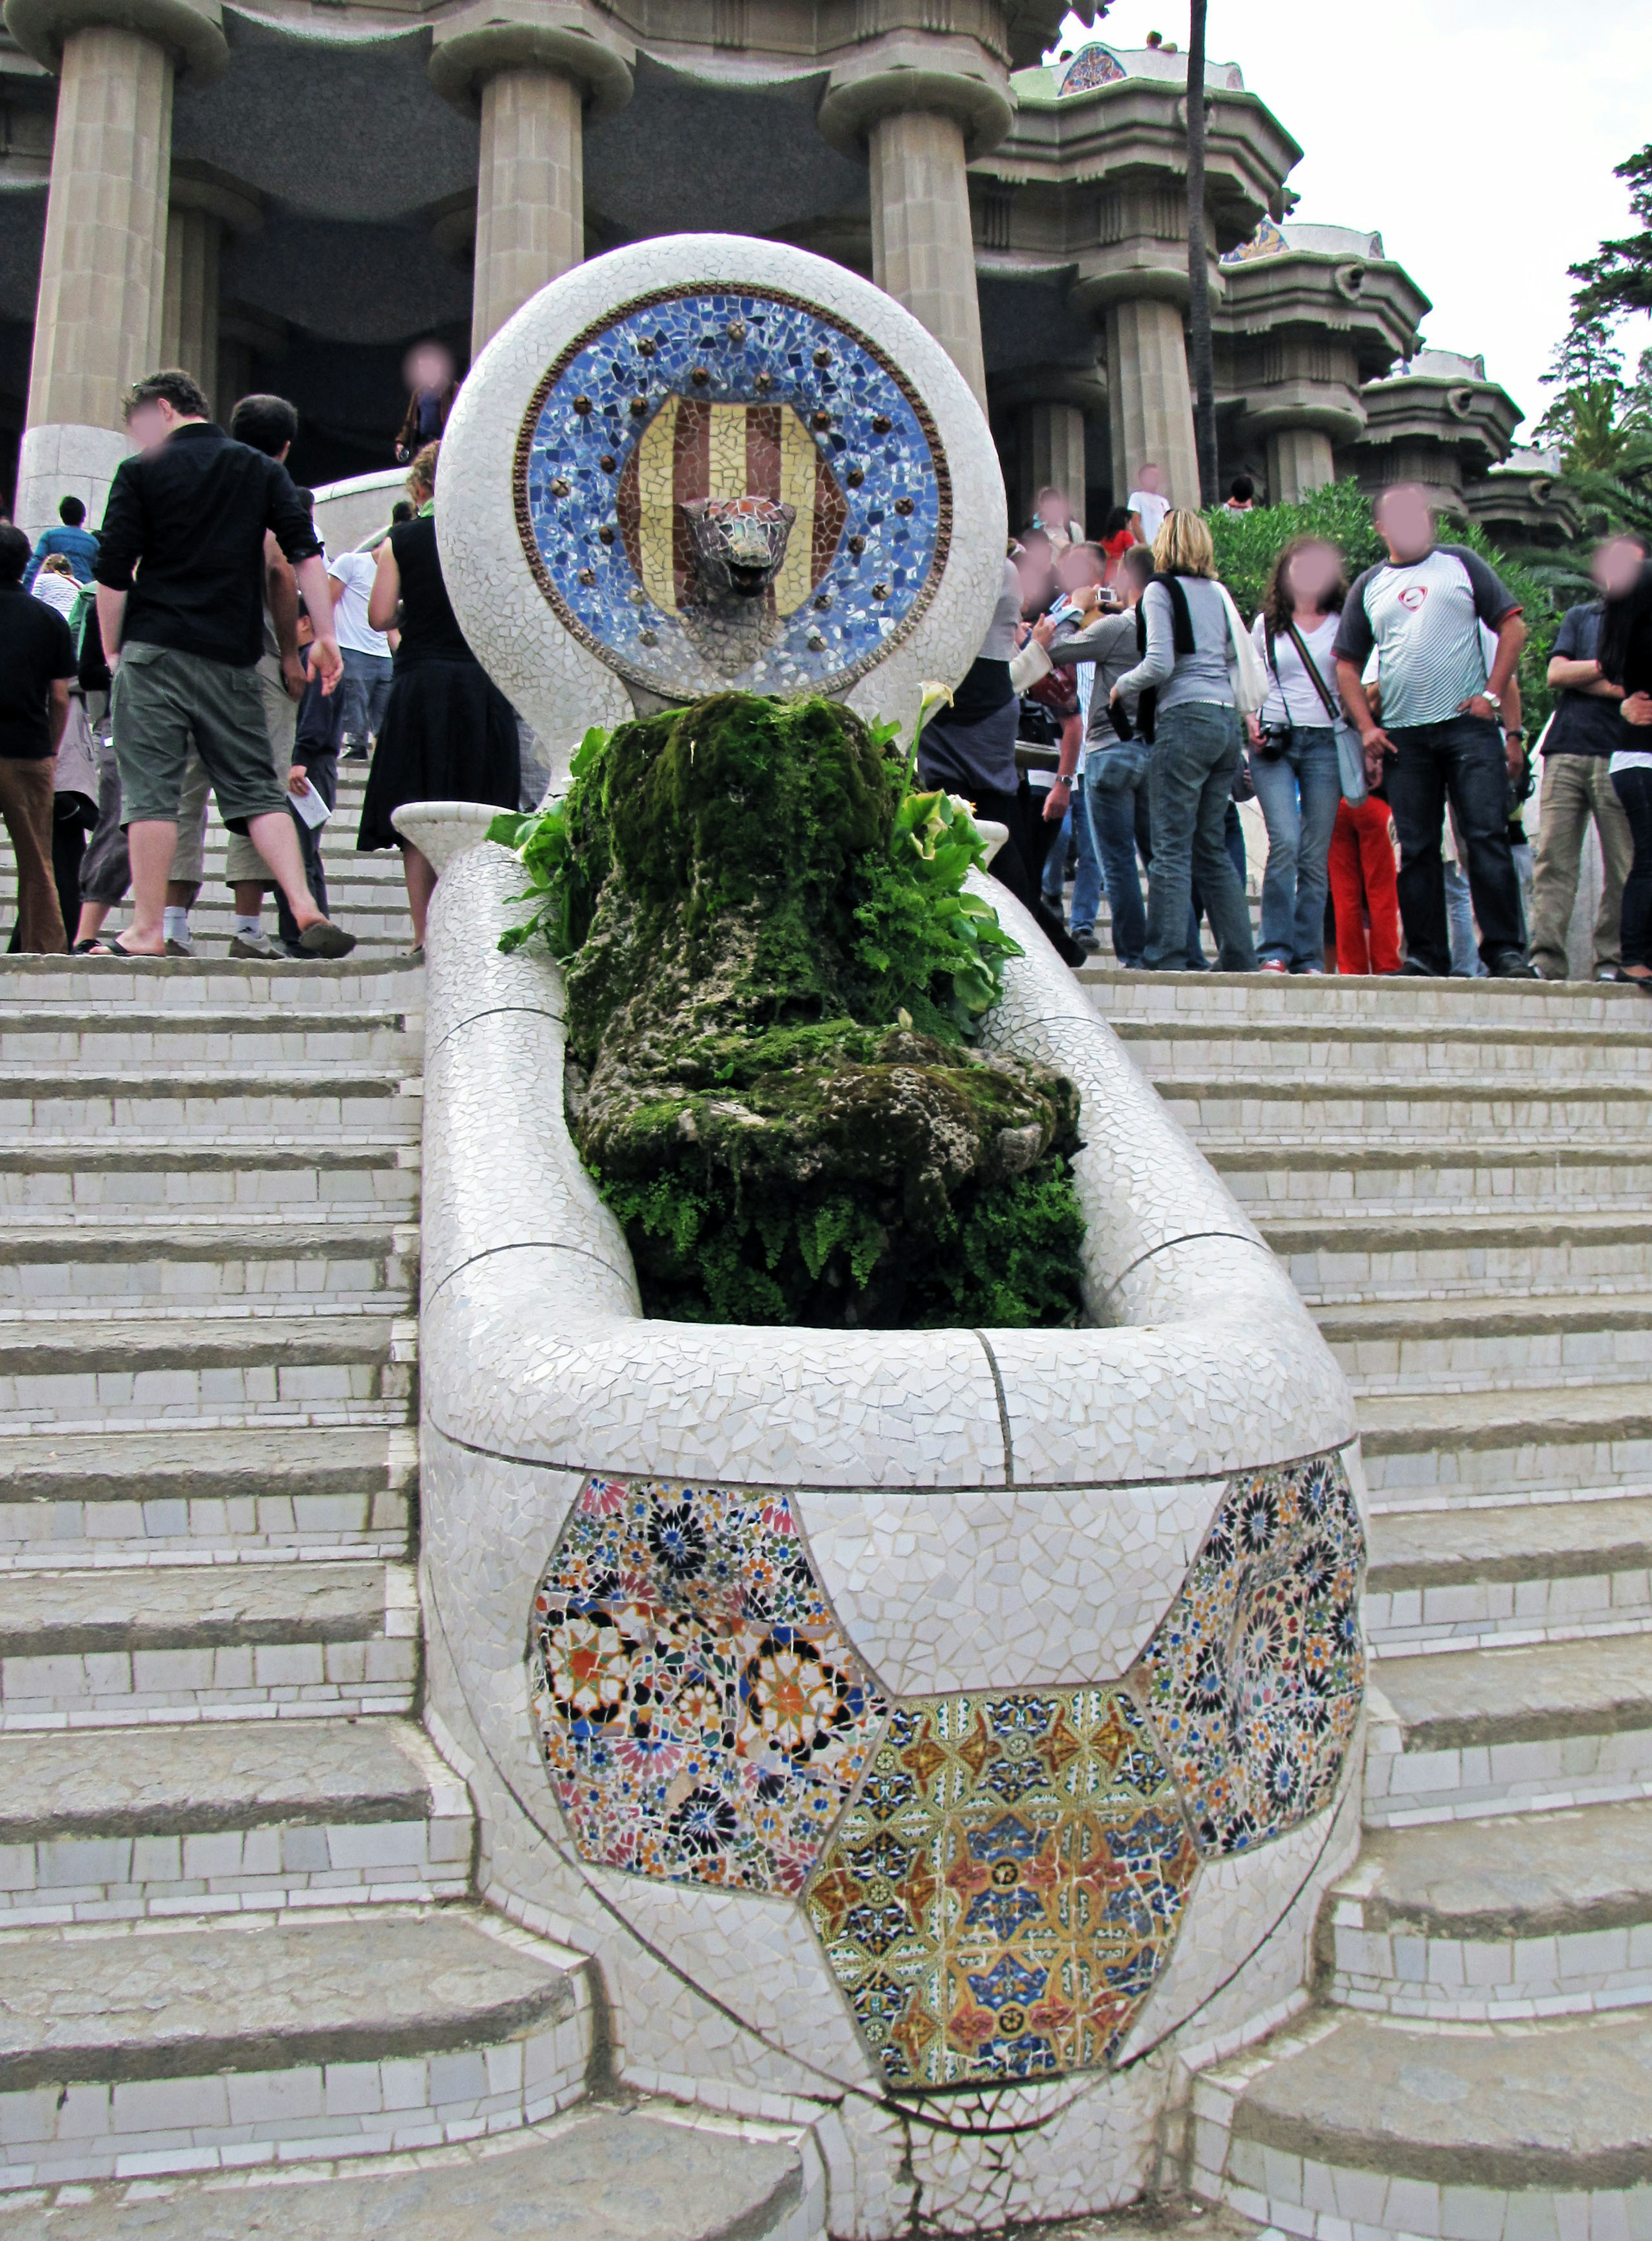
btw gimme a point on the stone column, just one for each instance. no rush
(1052, 451)
(923, 251)
(1299, 460)
(201, 211)
(531, 82)
(1150, 398)
(921, 109)
(97, 325)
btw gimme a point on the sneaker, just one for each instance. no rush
(179, 948)
(255, 944)
(1513, 965)
(1415, 969)
(1085, 936)
(1273, 965)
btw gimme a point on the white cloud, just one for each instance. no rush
(1477, 136)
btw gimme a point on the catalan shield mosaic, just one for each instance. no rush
(1252, 1680)
(689, 405)
(701, 1717)
(1007, 1886)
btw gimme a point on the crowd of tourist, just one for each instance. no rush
(202, 643)
(1121, 708)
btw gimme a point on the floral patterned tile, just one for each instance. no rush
(701, 1717)
(1007, 1886)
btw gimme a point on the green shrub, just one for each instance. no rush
(774, 972)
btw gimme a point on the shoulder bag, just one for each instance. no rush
(1350, 754)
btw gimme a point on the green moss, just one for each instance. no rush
(772, 972)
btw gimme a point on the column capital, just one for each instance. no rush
(190, 31)
(912, 72)
(551, 34)
(198, 187)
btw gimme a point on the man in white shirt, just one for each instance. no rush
(1148, 505)
(365, 686)
(1450, 717)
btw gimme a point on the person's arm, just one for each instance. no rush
(1354, 644)
(42, 546)
(384, 601)
(1581, 677)
(1502, 686)
(1160, 657)
(281, 596)
(325, 660)
(111, 621)
(120, 546)
(58, 715)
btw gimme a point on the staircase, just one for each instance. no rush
(239, 1943)
(1459, 1179)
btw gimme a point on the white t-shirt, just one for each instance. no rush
(1425, 616)
(1291, 696)
(55, 591)
(1153, 509)
(355, 571)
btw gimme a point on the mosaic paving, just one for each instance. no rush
(1252, 1680)
(685, 404)
(701, 1717)
(1007, 1885)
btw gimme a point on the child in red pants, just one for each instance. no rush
(1362, 880)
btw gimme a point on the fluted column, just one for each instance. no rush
(190, 302)
(532, 81)
(530, 198)
(1300, 461)
(97, 322)
(1150, 398)
(1053, 452)
(921, 109)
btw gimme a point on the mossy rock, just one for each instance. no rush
(767, 1072)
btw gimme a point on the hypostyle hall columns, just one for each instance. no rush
(921, 109)
(1150, 400)
(98, 321)
(532, 74)
(201, 211)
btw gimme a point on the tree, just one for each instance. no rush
(1618, 280)
(1199, 334)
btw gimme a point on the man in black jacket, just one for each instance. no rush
(180, 574)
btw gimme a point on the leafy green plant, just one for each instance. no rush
(774, 972)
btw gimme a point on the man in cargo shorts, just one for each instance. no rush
(187, 516)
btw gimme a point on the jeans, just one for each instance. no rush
(1232, 833)
(1633, 789)
(363, 690)
(322, 769)
(1466, 963)
(1461, 759)
(1190, 775)
(1576, 788)
(1300, 792)
(1086, 881)
(1115, 802)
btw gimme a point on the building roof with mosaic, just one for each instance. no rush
(315, 184)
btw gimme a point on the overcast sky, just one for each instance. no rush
(1478, 137)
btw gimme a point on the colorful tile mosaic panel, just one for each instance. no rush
(1009, 1881)
(702, 1718)
(690, 395)
(1268, 240)
(1252, 1680)
(1092, 67)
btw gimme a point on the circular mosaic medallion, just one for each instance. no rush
(731, 488)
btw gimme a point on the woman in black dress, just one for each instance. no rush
(449, 733)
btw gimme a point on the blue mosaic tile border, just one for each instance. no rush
(758, 349)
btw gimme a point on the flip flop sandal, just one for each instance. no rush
(324, 939)
(112, 946)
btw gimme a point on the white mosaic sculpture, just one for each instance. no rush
(941, 1739)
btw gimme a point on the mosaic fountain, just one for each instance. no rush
(942, 1739)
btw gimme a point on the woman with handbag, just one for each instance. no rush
(1293, 750)
(1198, 676)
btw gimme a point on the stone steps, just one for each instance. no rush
(186, 1496)
(1462, 1578)
(189, 1264)
(150, 1643)
(244, 1173)
(226, 1817)
(265, 2039)
(1354, 2123)
(1498, 1920)
(235, 1367)
(1454, 1173)
(67, 1035)
(613, 2170)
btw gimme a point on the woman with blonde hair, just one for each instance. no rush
(1198, 669)
(449, 733)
